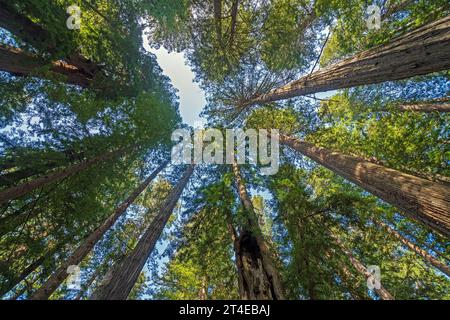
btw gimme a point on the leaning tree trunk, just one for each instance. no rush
(422, 200)
(260, 277)
(126, 273)
(234, 13)
(33, 34)
(418, 52)
(55, 280)
(381, 292)
(425, 107)
(424, 254)
(19, 63)
(217, 4)
(11, 283)
(27, 187)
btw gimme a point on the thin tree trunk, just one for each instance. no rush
(10, 284)
(13, 221)
(381, 292)
(88, 284)
(203, 292)
(425, 255)
(425, 107)
(261, 279)
(234, 12)
(14, 177)
(218, 20)
(19, 63)
(20, 190)
(423, 200)
(38, 37)
(237, 255)
(55, 280)
(126, 273)
(418, 52)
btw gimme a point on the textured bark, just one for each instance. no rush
(234, 12)
(237, 256)
(260, 277)
(27, 187)
(125, 274)
(418, 52)
(422, 200)
(425, 107)
(381, 292)
(218, 20)
(55, 280)
(19, 63)
(14, 177)
(425, 255)
(33, 34)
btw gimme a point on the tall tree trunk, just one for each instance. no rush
(27, 187)
(425, 107)
(33, 34)
(234, 13)
(203, 292)
(347, 278)
(218, 20)
(422, 200)
(19, 63)
(261, 279)
(418, 52)
(11, 178)
(237, 256)
(381, 292)
(425, 255)
(55, 280)
(126, 273)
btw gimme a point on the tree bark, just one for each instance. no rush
(422, 200)
(19, 63)
(381, 292)
(27, 187)
(218, 20)
(418, 52)
(234, 12)
(260, 278)
(425, 255)
(126, 273)
(425, 107)
(38, 37)
(237, 256)
(55, 280)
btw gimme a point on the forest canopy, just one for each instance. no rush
(93, 207)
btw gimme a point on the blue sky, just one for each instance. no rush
(192, 98)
